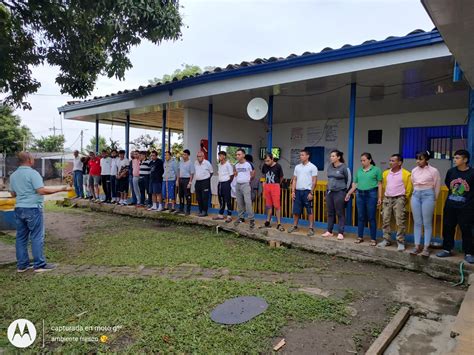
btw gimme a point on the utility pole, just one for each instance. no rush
(82, 138)
(54, 129)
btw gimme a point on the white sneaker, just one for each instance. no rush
(152, 208)
(160, 209)
(400, 247)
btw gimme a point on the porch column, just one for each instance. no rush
(350, 149)
(209, 133)
(270, 125)
(163, 135)
(127, 135)
(96, 134)
(470, 125)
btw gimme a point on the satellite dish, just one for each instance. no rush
(257, 108)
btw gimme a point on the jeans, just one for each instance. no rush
(465, 219)
(336, 206)
(144, 185)
(422, 208)
(29, 225)
(78, 182)
(86, 185)
(243, 194)
(203, 189)
(366, 201)
(184, 193)
(136, 189)
(225, 197)
(113, 186)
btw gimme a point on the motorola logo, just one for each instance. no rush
(21, 333)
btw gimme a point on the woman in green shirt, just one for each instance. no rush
(368, 183)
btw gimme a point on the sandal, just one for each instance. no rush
(359, 240)
(292, 229)
(280, 228)
(373, 243)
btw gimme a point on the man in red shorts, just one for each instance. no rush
(271, 188)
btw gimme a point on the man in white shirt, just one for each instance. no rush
(226, 174)
(304, 180)
(105, 169)
(77, 175)
(113, 175)
(122, 164)
(244, 172)
(203, 172)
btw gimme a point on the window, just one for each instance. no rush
(231, 149)
(441, 141)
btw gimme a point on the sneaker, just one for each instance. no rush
(173, 211)
(469, 258)
(444, 254)
(24, 269)
(238, 221)
(416, 250)
(252, 224)
(160, 208)
(152, 209)
(340, 236)
(180, 212)
(292, 229)
(267, 224)
(327, 234)
(203, 214)
(218, 218)
(384, 243)
(400, 246)
(46, 267)
(228, 219)
(310, 232)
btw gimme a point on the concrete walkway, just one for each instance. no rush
(7, 254)
(446, 269)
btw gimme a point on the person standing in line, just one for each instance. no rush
(156, 181)
(77, 166)
(170, 175)
(122, 183)
(94, 175)
(368, 183)
(226, 174)
(272, 189)
(133, 176)
(305, 178)
(27, 186)
(85, 175)
(105, 170)
(426, 183)
(144, 180)
(113, 175)
(185, 179)
(339, 182)
(203, 172)
(397, 186)
(459, 207)
(244, 173)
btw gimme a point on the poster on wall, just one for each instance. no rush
(331, 132)
(296, 135)
(314, 135)
(294, 157)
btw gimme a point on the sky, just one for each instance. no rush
(219, 32)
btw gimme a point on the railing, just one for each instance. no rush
(320, 213)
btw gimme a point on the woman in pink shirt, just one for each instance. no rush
(426, 186)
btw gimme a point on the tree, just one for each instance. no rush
(84, 39)
(50, 143)
(102, 145)
(145, 142)
(185, 70)
(14, 136)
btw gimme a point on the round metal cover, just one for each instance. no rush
(239, 310)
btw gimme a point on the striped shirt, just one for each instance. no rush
(145, 168)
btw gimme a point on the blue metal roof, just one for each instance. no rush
(414, 39)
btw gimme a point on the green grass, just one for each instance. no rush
(7, 238)
(156, 315)
(172, 247)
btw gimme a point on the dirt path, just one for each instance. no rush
(7, 254)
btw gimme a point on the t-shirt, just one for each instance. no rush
(461, 188)
(273, 174)
(203, 170)
(243, 172)
(122, 166)
(94, 166)
(114, 167)
(156, 170)
(395, 185)
(225, 171)
(170, 170)
(77, 164)
(105, 166)
(339, 178)
(145, 167)
(186, 169)
(368, 180)
(24, 182)
(304, 175)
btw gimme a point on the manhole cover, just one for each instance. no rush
(239, 310)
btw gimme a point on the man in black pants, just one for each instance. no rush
(459, 207)
(226, 174)
(185, 179)
(203, 172)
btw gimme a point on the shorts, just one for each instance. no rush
(271, 193)
(168, 190)
(94, 180)
(122, 185)
(301, 201)
(155, 187)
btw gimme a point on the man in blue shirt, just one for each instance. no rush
(26, 184)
